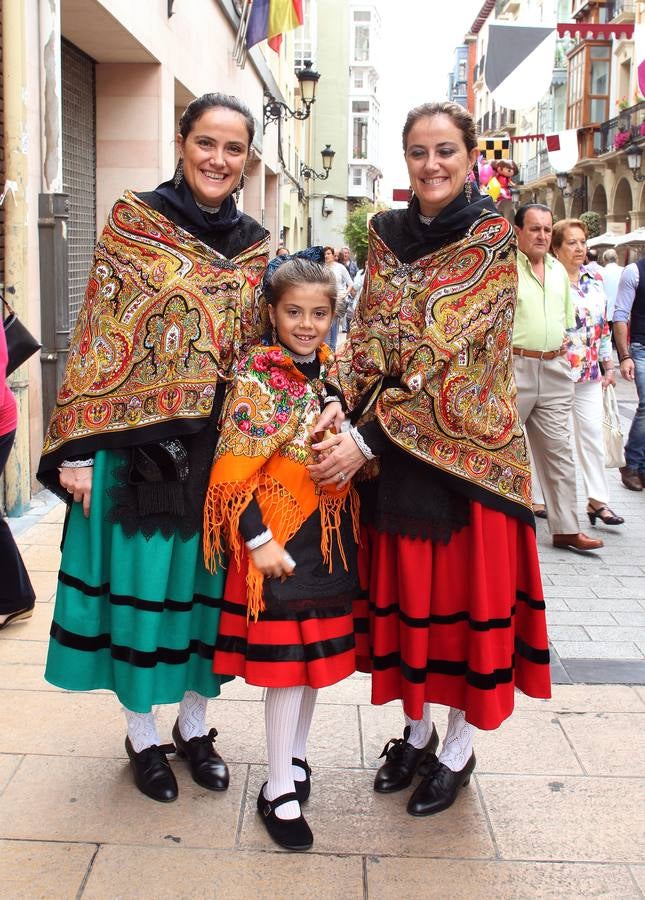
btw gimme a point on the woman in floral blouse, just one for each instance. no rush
(589, 346)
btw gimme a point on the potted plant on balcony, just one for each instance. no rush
(621, 139)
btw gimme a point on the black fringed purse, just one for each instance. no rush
(21, 344)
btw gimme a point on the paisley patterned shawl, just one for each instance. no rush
(164, 318)
(263, 450)
(430, 352)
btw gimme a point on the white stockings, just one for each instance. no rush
(458, 742)
(142, 727)
(192, 715)
(288, 713)
(420, 729)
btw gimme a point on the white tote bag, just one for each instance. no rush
(612, 432)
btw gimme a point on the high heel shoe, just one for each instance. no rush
(607, 516)
(17, 616)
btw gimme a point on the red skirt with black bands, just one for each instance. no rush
(307, 647)
(461, 624)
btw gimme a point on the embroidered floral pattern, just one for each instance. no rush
(272, 406)
(441, 327)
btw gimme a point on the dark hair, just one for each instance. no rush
(200, 105)
(522, 211)
(557, 238)
(297, 271)
(460, 117)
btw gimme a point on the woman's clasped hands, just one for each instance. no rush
(339, 457)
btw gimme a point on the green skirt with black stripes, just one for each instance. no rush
(138, 616)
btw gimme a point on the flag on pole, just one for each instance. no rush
(562, 149)
(270, 19)
(519, 63)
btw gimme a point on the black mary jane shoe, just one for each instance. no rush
(303, 788)
(401, 762)
(607, 516)
(152, 774)
(438, 789)
(207, 767)
(292, 834)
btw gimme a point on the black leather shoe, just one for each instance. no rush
(303, 788)
(401, 762)
(439, 787)
(207, 767)
(293, 834)
(152, 774)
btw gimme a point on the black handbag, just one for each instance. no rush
(21, 344)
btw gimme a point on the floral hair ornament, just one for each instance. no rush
(313, 254)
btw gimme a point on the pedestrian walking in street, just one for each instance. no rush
(588, 348)
(545, 389)
(287, 619)
(17, 595)
(455, 613)
(169, 304)
(629, 334)
(344, 293)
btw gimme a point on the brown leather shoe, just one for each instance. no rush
(631, 479)
(578, 541)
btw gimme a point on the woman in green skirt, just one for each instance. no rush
(170, 303)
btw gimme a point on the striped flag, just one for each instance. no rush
(519, 63)
(270, 19)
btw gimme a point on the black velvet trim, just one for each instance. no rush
(273, 653)
(139, 658)
(292, 615)
(418, 675)
(434, 619)
(362, 625)
(532, 654)
(103, 590)
(530, 601)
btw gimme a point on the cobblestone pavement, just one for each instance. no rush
(554, 809)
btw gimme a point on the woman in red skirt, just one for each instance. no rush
(454, 612)
(287, 618)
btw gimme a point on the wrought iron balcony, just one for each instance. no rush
(615, 133)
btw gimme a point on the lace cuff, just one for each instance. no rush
(77, 463)
(360, 443)
(260, 539)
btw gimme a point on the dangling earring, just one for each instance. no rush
(410, 196)
(239, 188)
(468, 188)
(179, 173)
(274, 335)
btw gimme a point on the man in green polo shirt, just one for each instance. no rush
(544, 387)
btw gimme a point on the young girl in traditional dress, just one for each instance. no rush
(286, 623)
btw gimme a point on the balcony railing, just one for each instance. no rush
(628, 121)
(537, 167)
(616, 8)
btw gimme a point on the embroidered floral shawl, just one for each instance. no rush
(263, 451)
(430, 351)
(163, 320)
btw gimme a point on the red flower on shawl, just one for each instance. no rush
(296, 388)
(261, 363)
(278, 380)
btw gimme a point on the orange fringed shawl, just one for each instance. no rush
(263, 450)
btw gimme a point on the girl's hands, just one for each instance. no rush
(78, 483)
(272, 560)
(332, 417)
(342, 459)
